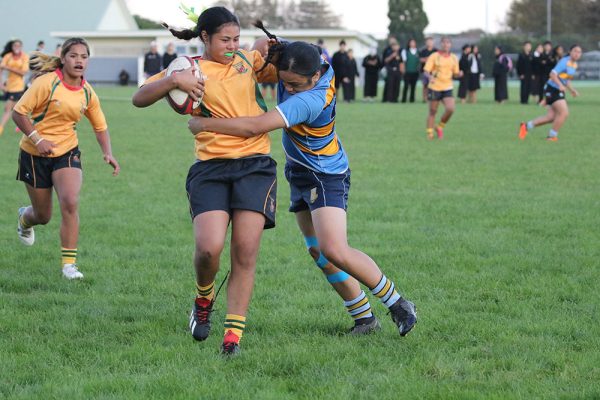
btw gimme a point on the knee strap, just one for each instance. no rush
(311, 241)
(337, 277)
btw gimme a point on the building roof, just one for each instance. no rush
(35, 22)
(287, 34)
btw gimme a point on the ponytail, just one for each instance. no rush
(41, 63)
(275, 51)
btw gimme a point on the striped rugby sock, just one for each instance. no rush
(386, 291)
(359, 307)
(206, 291)
(69, 256)
(236, 324)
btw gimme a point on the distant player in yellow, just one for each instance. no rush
(49, 157)
(16, 64)
(234, 179)
(441, 67)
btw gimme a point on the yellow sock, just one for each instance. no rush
(24, 224)
(236, 324)
(69, 256)
(206, 291)
(441, 125)
(429, 131)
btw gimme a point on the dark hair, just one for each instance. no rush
(342, 42)
(8, 46)
(41, 42)
(210, 21)
(547, 42)
(526, 42)
(300, 58)
(573, 46)
(411, 40)
(466, 46)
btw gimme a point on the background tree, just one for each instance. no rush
(407, 19)
(529, 16)
(145, 23)
(314, 14)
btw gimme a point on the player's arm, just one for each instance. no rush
(24, 123)
(157, 87)
(241, 126)
(554, 78)
(17, 71)
(573, 91)
(103, 139)
(456, 71)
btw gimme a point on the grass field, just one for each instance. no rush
(495, 240)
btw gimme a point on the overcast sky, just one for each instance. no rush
(445, 16)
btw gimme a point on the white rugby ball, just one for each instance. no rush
(179, 100)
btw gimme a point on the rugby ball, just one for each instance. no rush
(179, 100)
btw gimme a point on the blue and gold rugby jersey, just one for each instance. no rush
(565, 69)
(309, 138)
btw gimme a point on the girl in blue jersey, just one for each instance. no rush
(317, 170)
(554, 92)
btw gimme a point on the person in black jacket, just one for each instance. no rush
(474, 76)
(500, 70)
(372, 64)
(424, 54)
(536, 68)
(152, 61)
(340, 62)
(525, 71)
(546, 66)
(463, 65)
(393, 63)
(350, 82)
(169, 55)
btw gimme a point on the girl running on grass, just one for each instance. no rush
(16, 63)
(441, 67)
(233, 179)
(50, 156)
(554, 92)
(317, 171)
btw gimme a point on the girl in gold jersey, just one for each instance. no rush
(233, 179)
(16, 64)
(441, 67)
(50, 157)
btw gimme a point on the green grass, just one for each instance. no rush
(495, 240)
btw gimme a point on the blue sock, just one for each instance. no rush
(552, 133)
(530, 125)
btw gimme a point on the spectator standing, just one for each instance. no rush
(463, 65)
(502, 67)
(339, 62)
(372, 64)
(525, 71)
(424, 54)
(411, 61)
(350, 82)
(169, 55)
(152, 61)
(473, 81)
(392, 62)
